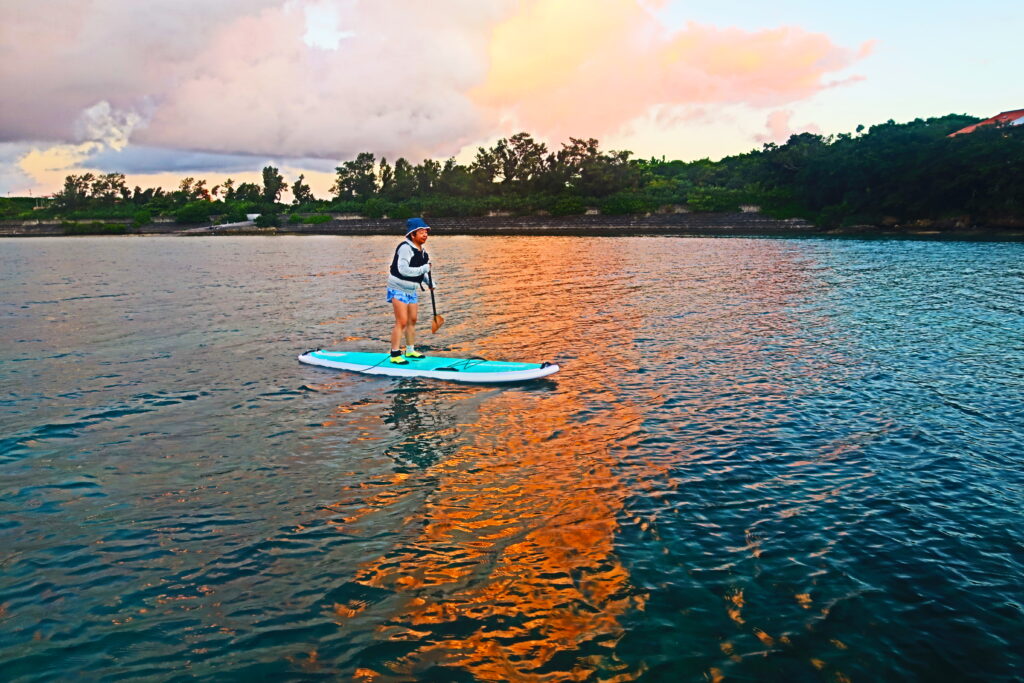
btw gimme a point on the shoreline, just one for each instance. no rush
(748, 224)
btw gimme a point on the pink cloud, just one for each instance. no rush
(779, 128)
(395, 86)
(615, 63)
(406, 78)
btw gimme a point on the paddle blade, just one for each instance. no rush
(436, 325)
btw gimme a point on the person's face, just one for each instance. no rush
(420, 236)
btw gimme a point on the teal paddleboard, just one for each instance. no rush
(435, 367)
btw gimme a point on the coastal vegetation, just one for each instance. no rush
(889, 174)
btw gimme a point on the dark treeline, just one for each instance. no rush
(890, 173)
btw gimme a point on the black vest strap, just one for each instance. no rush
(419, 258)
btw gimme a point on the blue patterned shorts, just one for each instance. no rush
(404, 297)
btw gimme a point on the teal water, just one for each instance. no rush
(761, 460)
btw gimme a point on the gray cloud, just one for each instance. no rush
(143, 159)
(72, 54)
(123, 83)
(237, 77)
(12, 178)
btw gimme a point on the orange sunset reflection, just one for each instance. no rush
(507, 567)
(511, 572)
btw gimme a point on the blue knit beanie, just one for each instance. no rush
(414, 224)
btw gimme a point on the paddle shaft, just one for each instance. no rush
(433, 304)
(438, 320)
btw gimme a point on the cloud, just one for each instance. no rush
(99, 129)
(326, 79)
(779, 129)
(586, 67)
(243, 77)
(143, 159)
(102, 124)
(13, 178)
(322, 28)
(64, 56)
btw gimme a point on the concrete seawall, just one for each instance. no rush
(55, 229)
(695, 224)
(654, 224)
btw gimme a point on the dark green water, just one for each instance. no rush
(762, 460)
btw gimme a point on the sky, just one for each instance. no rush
(166, 89)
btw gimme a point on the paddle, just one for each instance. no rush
(438, 320)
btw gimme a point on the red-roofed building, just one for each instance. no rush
(1007, 118)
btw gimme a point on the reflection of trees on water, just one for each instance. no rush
(428, 417)
(425, 418)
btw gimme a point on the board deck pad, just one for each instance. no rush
(436, 367)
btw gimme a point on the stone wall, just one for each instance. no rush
(29, 229)
(710, 224)
(653, 224)
(44, 229)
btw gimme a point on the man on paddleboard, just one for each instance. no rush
(410, 268)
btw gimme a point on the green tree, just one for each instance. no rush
(454, 180)
(485, 169)
(190, 190)
(530, 156)
(890, 172)
(273, 184)
(268, 220)
(356, 179)
(76, 190)
(404, 186)
(152, 195)
(109, 187)
(589, 173)
(519, 160)
(364, 178)
(248, 192)
(387, 177)
(197, 211)
(427, 175)
(301, 194)
(568, 206)
(507, 163)
(342, 187)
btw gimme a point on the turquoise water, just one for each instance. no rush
(761, 460)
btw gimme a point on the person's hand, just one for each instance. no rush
(426, 269)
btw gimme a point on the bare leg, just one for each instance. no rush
(401, 320)
(410, 328)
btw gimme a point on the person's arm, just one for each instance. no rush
(404, 254)
(429, 279)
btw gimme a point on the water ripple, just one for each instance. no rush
(762, 460)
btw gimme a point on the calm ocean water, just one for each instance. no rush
(762, 460)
